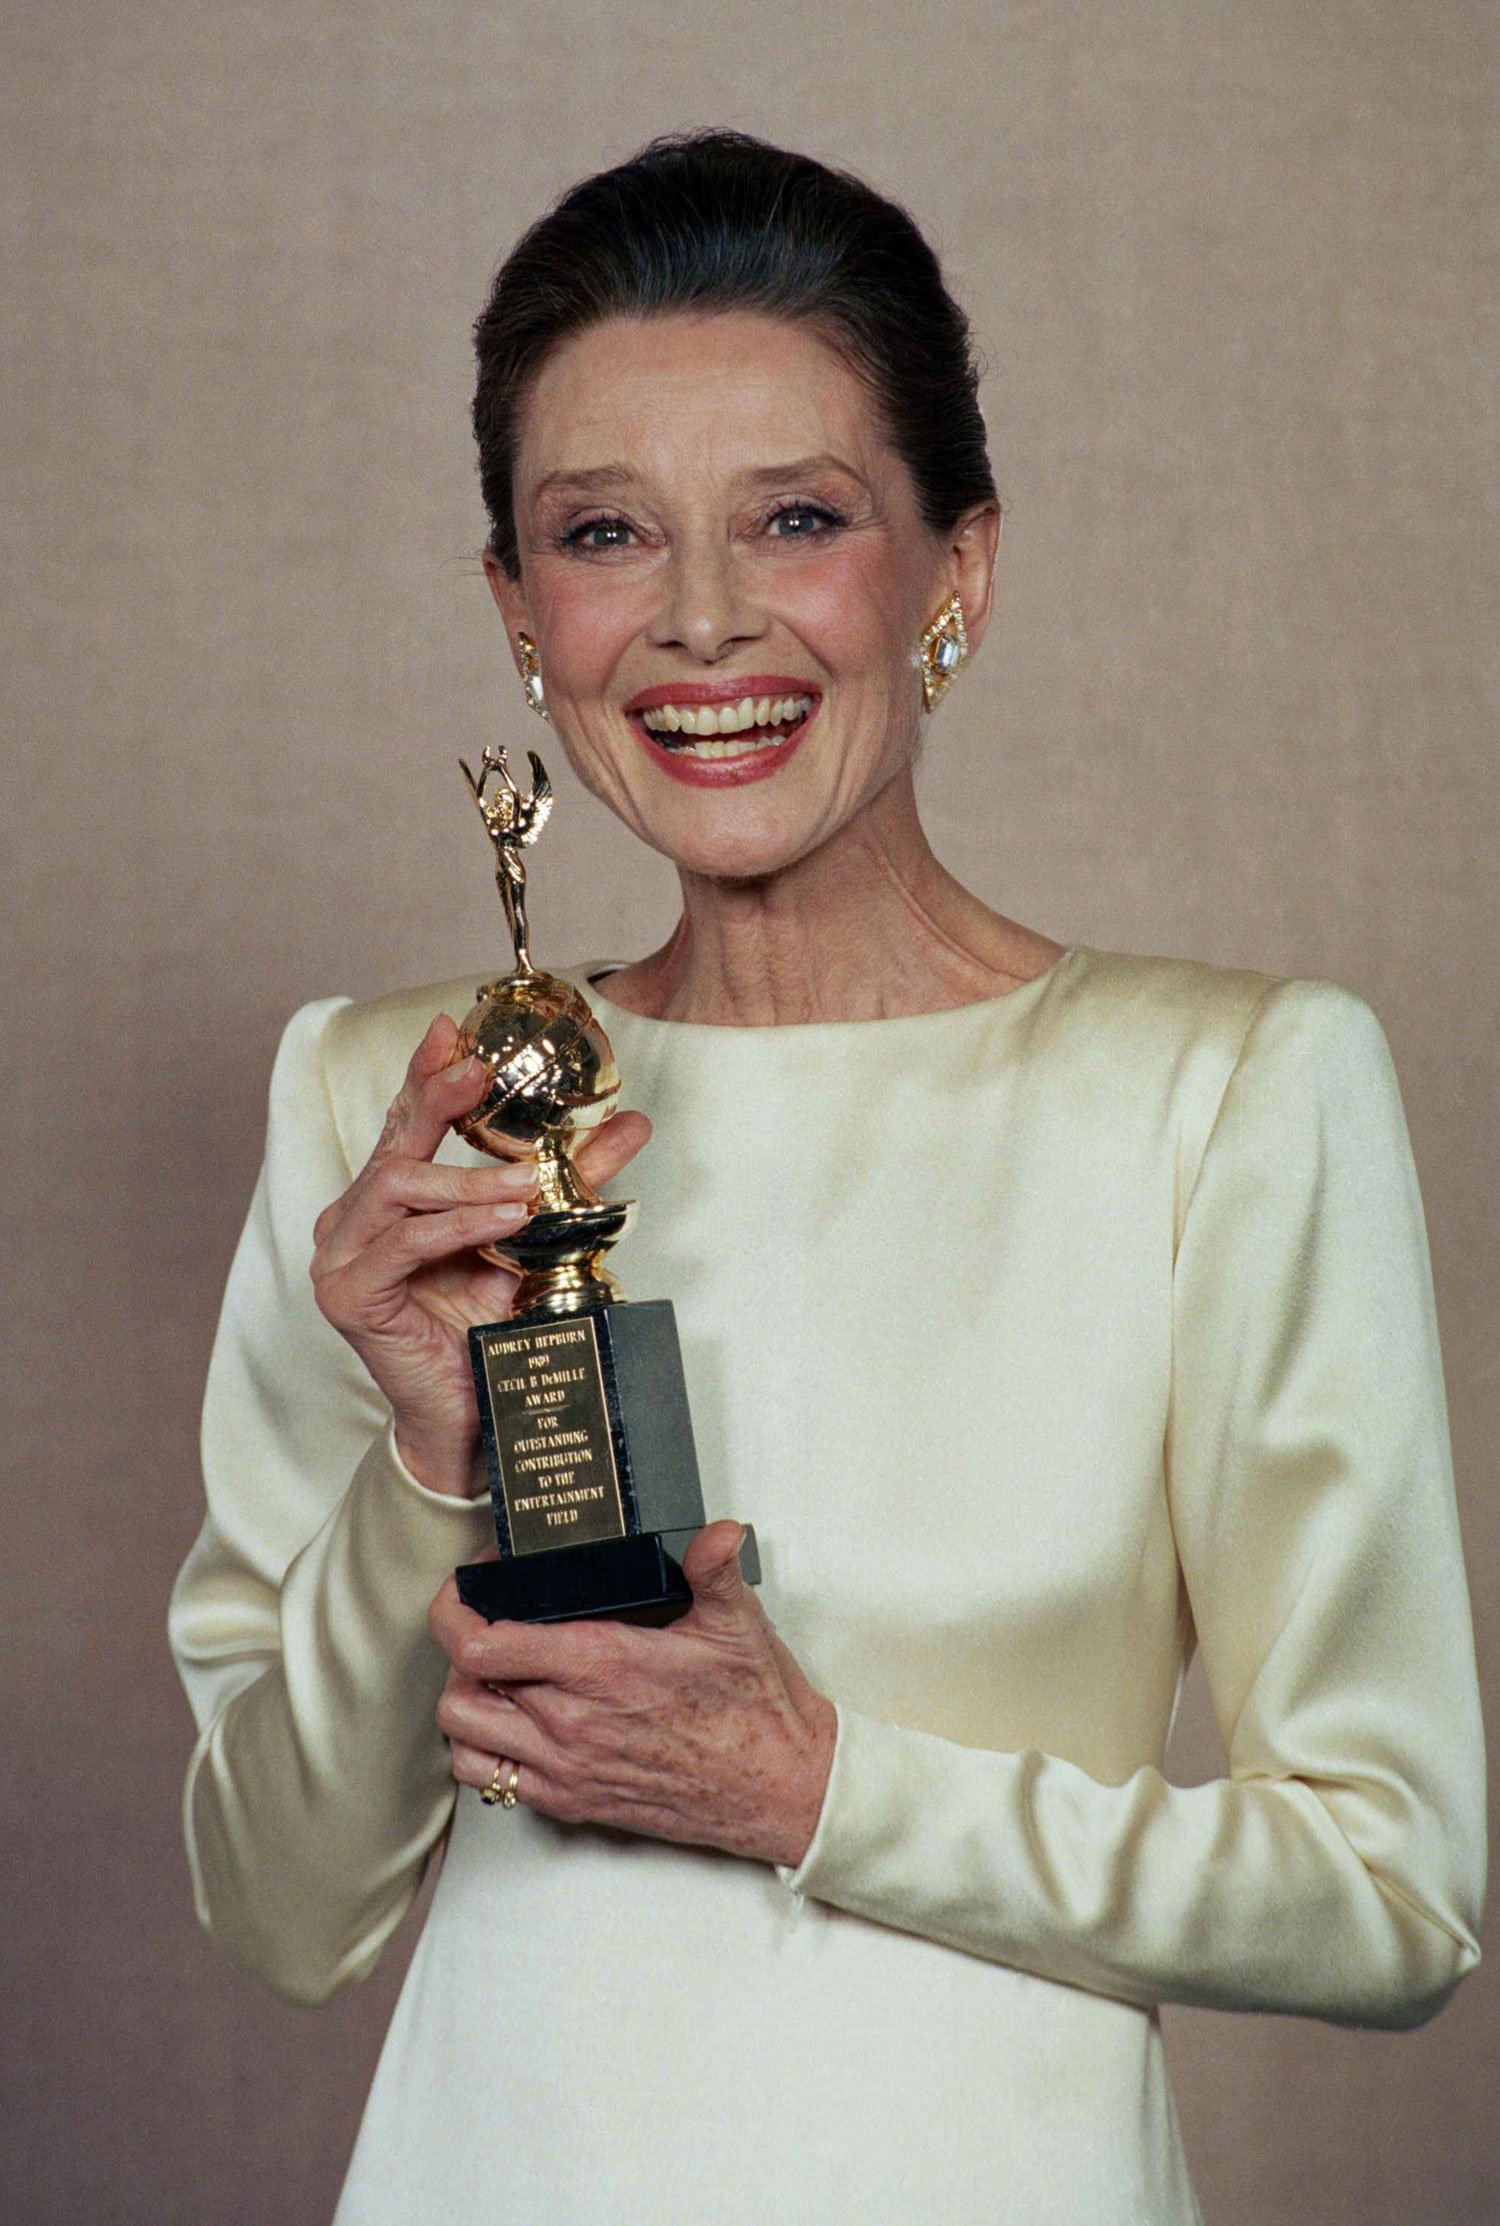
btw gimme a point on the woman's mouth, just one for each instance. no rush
(721, 744)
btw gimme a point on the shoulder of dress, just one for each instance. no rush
(1178, 1029)
(368, 1028)
(367, 1044)
(1201, 1007)
(1181, 989)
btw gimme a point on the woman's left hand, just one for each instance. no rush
(705, 1731)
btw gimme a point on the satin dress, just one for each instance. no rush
(1043, 1341)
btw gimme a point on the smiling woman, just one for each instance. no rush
(713, 552)
(1051, 1311)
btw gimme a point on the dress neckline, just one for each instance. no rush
(1010, 1004)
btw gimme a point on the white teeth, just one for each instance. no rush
(709, 720)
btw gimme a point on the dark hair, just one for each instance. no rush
(716, 219)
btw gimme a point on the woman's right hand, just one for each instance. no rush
(395, 1267)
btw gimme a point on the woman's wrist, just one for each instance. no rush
(809, 1785)
(436, 1467)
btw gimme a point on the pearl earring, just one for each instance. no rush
(531, 676)
(943, 648)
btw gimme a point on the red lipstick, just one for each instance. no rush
(723, 772)
(751, 684)
(681, 764)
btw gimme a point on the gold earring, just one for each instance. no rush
(531, 676)
(943, 648)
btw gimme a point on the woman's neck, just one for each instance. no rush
(867, 927)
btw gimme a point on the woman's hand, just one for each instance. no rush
(395, 1269)
(706, 1731)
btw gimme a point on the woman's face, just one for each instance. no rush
(710, 515)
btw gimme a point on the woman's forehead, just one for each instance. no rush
(733, 392)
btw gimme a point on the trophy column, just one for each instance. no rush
(593, 1474)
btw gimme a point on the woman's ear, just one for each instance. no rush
(510, 600)
(974, 548)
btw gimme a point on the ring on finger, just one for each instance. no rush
(495, 1792)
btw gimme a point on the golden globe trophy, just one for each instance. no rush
(582, 1405)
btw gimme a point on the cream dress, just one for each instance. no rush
(1041, 1340)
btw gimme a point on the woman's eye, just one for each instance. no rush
(580, 536)
(809, 520)
(792, 521)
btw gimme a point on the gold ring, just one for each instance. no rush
(506, 1795)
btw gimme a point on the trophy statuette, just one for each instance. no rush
(583, 1407)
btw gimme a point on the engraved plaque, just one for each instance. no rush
(553, 1473)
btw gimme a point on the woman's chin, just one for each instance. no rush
(730, 834)
(729, 854)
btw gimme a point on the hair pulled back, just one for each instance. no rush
(715, 219)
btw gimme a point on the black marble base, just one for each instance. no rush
(635, 1579)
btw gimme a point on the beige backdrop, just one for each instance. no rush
(1229, 262)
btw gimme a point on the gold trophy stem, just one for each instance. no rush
(568, 1288)
(559, 1249)
(560, 1187)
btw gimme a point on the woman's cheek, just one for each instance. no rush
(600, 757)
(585, 618)
(845, 603)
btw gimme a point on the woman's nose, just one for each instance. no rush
(704, 607)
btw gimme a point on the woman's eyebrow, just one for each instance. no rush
(590, 478)
(800, 466)
(585, 476)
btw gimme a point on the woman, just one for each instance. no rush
(1050, 1310)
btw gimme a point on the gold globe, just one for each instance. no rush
(553, 1074)
(552, 1078)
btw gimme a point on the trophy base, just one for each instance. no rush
(636, 1579)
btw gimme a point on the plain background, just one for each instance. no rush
(1230, 262)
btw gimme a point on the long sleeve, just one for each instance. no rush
(319, 1781)
(1338, 1871)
